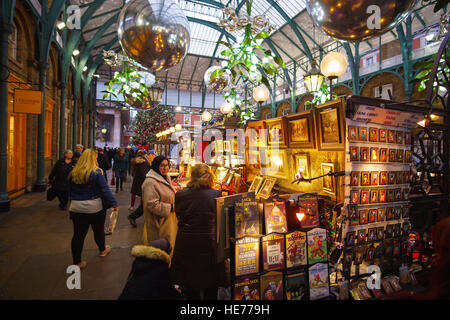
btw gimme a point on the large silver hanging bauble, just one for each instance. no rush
(218, 83)
(357, 20)
(154, 33)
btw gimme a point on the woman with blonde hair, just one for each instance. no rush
(90, 198)
(193, 265)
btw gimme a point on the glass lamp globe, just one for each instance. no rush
(261, 93)
(206, 116)
(334, 65)
(226, 107)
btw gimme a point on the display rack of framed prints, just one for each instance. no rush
(378, 164)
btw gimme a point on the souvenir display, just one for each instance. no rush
(296, 254)
(296, 286)
(317, 245)
(318, 281)
(272, 286)
(275, 215)
(247, 289)
(247, 256)
(273, 252)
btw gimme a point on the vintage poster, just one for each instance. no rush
(251, 217)
(296, 286)
(272, 286)
(247, 289)
(273, 252)
(247, 256)
(318, 281)
(275, 215)
(296, 249)
(308, 212)
(317, 245)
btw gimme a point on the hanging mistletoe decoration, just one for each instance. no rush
(244, 63)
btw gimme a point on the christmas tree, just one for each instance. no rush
(148, 123)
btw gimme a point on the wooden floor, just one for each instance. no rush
(35, 252)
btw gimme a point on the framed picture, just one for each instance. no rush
(276, 132)
(380, 233)
(374, 154)
(302, 164)
(264, 191)
(354, 196)
(397, 212)
(392, 155)
(398, 177)
(374, 177)
(353, 214)
(364, 154)
(371, 236)
(408, 156)
(406, 177)
(381, 214)
(300, 130)
(352, 133)
(390, 195)
(221, 174)
(389, 213)
(400, 155)
(256, 184)
(362, 133)
(398, 194)
(382, 135)
(373, 134)
(364, 196)
(361, 236)
(365, 179)
(383, 178)
(228, 178)
(391, 136)
(406, 194)
(330, 125)
(382, 197)
(363, 217)
(392, 176)
(373, 215)
(354, 178)
(350, 238)
(354, 153)
(383, 155)
(373, 196)
(278, 165)
(399, 137)
(407, 138)
(328, 181)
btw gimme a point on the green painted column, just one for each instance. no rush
(62, 120)
(294, 90)
(274, 96)
(5, 30)
(83, 123)
(41, 185)
(75, 122)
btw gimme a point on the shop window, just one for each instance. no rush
(13, 43)
(369, 61)
(48, 130)
(384, 91)
(286, 112)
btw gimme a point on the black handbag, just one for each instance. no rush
(51, 194)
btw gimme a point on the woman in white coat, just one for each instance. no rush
(158, 198)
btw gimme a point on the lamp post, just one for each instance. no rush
(261, 94)
(313, 79)
(104, 131)
(333, 65)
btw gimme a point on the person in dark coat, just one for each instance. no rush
(59, 178)
(193, 265)
(103, 162)
(120, 168)
(149, 276)
(78, 151)
(140, 168)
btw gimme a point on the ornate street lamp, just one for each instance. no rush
(313, 79)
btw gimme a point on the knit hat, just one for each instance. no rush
(152, 152)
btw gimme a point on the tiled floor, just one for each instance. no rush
(35, 252)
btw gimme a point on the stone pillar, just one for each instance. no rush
(40, 184)
(5, 30)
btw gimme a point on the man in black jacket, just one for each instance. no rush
(103, 162)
